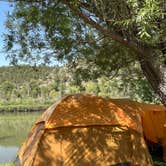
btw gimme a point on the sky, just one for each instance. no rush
(4, 8)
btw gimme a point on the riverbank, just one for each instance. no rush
(7, 164)
(23, 108)
(26, 105)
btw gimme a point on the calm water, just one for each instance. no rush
(13, 131)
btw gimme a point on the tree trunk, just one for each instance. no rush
(162, 85)
(156, 77)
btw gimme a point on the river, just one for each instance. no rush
(14, 128)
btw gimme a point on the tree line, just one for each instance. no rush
(47, 83)
(106, 35)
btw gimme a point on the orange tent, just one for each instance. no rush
(154, 124)
(86, 130)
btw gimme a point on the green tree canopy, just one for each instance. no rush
(103, 36)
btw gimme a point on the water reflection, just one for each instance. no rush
(7, 154)
(13, 130)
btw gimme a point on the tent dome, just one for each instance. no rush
(87, 130)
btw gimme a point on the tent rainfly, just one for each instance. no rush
(86, 130)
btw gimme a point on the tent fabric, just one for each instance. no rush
(154, 124)
(84, 110)
(86, 130)
(89, 146)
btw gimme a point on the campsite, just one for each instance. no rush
(82, 83)
(92, 121)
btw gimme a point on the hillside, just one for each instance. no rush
(24, 86)
(21, 86)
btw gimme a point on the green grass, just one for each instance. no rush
(7, 164)
(24, 105)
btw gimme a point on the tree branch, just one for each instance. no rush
(116, 37)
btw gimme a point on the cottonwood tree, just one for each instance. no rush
(104, 34)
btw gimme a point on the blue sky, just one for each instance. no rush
(4, 8)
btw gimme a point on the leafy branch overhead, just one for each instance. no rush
(110, 34)
(51, 25)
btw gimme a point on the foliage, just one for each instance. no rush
(94, 38)
(48, 30)
(41, 86)
(157, 163)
